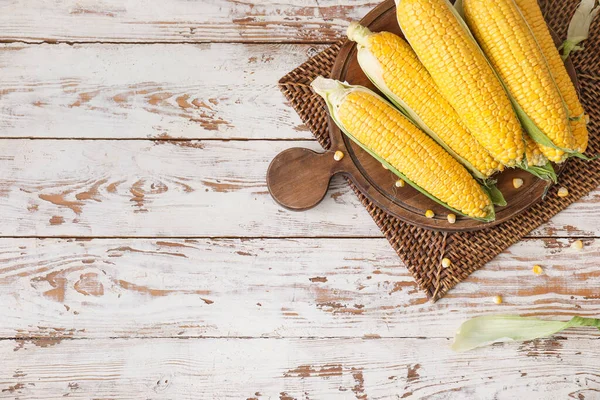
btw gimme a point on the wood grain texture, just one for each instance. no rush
(179, 20)
(287, 369)
(140, 188)
(261, 315)
(68, 288)
(214, 91)
(182, 189)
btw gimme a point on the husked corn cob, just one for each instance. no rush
(534, 155)
(389, 135)
(534, 17)
(396, 70)
(463, 76)
(514, 53)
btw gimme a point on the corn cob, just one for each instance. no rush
(395, 69)
(388, 135)
(463, 76)
(514, 53)
(533, 15)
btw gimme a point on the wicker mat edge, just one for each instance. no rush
(421, 250)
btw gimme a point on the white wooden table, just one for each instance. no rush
(141, 256)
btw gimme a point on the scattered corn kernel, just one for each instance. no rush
(498, 299)
(577, 245)
(537, 270)
(429, 214)
(517, 183)
(451, 218)
(446, 263)
(338, 155)
(563, 192)
(400, 183)
(587, 118)
(383, 165)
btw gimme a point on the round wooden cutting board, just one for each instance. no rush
(298, 178)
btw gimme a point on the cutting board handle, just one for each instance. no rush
(298, 178)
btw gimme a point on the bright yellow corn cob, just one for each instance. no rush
(534, 17)
(394, 67)
(388, 134)
(463, 76)
(514, 53)
(534, 155)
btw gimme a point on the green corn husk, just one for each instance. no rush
(373, 70)
(579, 27)
(545, 172)
(333, 92)
(482, 331)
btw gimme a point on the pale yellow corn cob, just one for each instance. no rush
(534, 155)
(406, 78)
(463, 76)
(534, 17)
(514, 53)
(386, 132)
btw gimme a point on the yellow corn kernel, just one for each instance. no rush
(563, 192)
(446, 263)
(517, 183)
(498, 299)
(534, 17)
(338, 155)
(405, 76)
(538, 270)
(514, 53)
(400, 183)
(384, 166)
(451, 218)
(429, 214)
(463, 76)
(577, 245)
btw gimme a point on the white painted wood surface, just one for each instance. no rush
(286, 369)
(178, 20)
(210, 91)
(106, 288)
(135, 264)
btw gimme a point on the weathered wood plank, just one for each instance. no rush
(287, 369)
(210, 91)
(181, 189)
(141, 188)
(179, 20)
(270, 288)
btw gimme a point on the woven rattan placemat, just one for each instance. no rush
(421, 250)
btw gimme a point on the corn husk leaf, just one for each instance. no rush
(537, 134)
(373, 70)
(326, 87)
(459, 7)
(495, 194)
(579, 27)
(545, 172)
(482, 331)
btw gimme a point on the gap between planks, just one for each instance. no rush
(151, 42)
(166, 140)
(42, 237)
(237, 337)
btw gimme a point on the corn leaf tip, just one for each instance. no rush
(481, 331)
